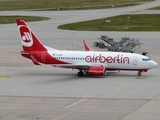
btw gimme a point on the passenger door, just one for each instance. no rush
(135, 61)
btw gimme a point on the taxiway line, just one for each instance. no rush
(94, 100)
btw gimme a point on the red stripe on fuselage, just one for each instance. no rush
(113, 69)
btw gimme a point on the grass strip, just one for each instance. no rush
(156, 8)
(88, 7)
(56, 4)
(12, 19)
(130, 22)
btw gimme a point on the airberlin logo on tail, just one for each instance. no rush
(26, 36)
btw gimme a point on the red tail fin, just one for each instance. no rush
(86, 46)
(29, 41)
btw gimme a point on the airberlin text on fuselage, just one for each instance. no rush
(108, 59)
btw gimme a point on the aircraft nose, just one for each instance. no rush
(153, 64)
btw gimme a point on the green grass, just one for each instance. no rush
(56, 4)
(64, 4)
(88, 7)
(140, 22)
(12, 19)
(156, 8)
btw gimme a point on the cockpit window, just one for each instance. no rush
(145, 59)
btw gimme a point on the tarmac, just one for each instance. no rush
(29, 92)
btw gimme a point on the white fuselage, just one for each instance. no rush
(111, 60)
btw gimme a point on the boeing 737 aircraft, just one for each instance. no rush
(87, 62)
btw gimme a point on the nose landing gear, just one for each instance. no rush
(140, 71)
(139, 74)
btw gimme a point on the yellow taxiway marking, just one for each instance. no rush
(94, 100)
(4, 76)
(144, 32)
(140, 77)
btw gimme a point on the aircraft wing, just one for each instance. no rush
(77, 66)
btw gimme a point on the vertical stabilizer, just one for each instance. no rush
(29, 41)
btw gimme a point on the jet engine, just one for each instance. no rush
(97, 70)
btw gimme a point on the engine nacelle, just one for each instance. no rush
(97, 70)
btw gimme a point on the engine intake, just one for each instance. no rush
(97, 70)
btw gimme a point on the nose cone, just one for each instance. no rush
(153, 64)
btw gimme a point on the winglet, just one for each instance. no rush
(86, 46)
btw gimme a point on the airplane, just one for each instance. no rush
(93, 63)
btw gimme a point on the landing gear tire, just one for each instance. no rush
(138, 74)
(80, 74)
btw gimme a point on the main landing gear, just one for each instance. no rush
(80, 74)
